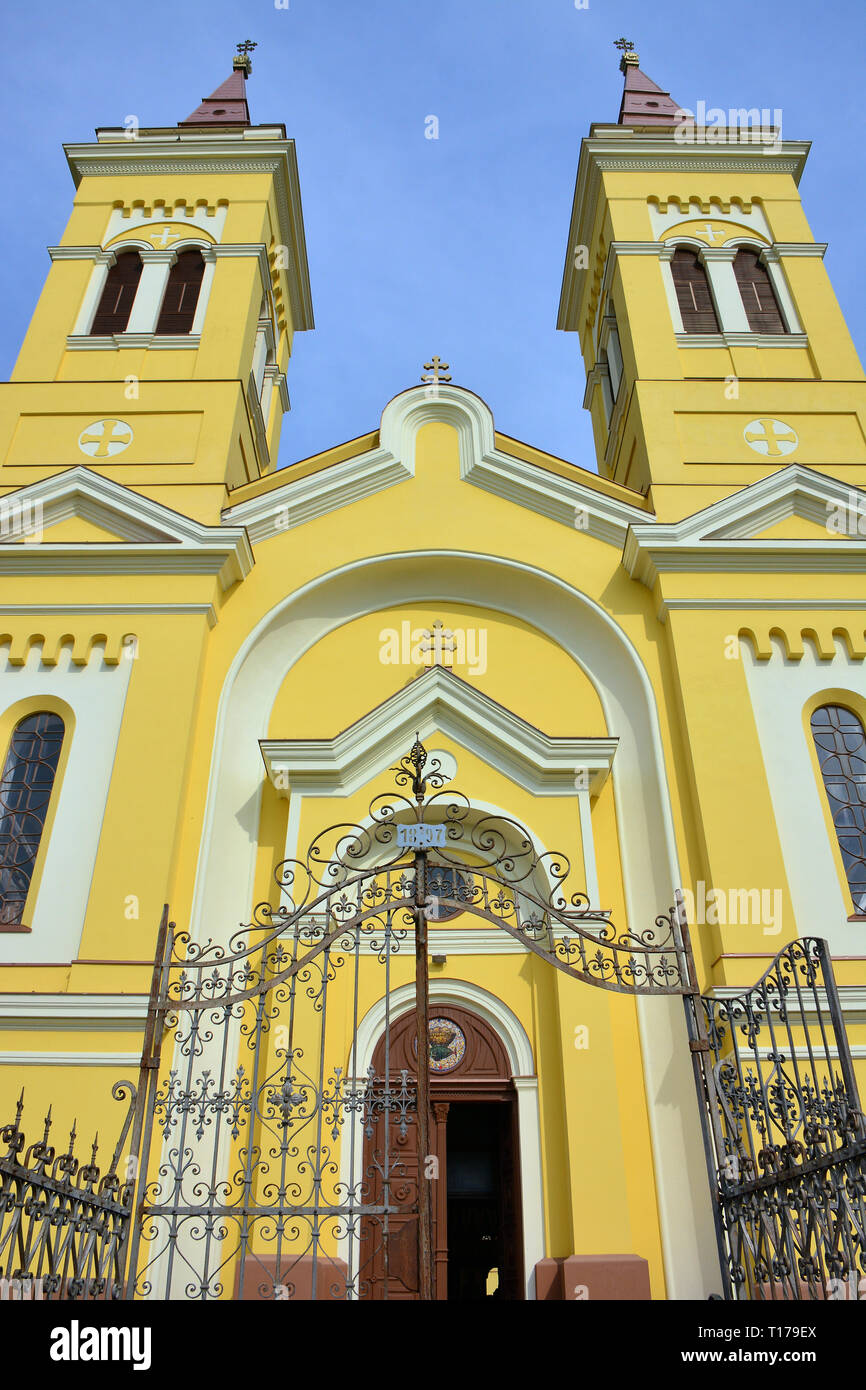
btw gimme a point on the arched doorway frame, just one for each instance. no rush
(515, 1039)
(224, 884)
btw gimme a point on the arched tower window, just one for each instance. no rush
(693, 292)
(181, 293)
(25, 791)
(115, 304)
(841, 746)
(756, 292)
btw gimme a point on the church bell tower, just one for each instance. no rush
(715, 350)
(158, 351)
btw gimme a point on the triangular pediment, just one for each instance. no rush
(80, 505)
(572, 496)
(796, 502)
(79, 518)
(763, 526)
(436, 702)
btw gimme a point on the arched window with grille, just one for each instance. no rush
(25, 793)
(840, 743)
(692, 287)
(181, 293)
(756, 292)
(118, 294)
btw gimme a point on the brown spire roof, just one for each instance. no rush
(228, 104)
(644, 103)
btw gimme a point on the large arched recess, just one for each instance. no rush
(225, 872)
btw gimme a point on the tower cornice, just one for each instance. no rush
(257, 149)
(624, 149)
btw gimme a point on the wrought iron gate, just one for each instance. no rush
(267, 1155)
(785, 1132)
(252, 1145)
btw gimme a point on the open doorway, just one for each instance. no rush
(483, 1253)
(476, 1197)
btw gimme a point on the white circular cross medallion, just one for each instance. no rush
(773, 438)
(104, 438)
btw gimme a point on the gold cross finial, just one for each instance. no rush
(242, 58)
(629, 58)
(439, 370)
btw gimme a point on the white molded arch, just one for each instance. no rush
(226, 866)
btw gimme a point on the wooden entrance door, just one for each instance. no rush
(473, 1107)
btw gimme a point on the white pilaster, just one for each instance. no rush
(666, 255)
(532, 1192)
(589, 865)
(208, 254)
(718, 261)
(102, 260)
(771, 259)
(150, 292)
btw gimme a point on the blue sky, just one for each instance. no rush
(420, 246)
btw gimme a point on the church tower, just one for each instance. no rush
(158, 351)
(714, 347)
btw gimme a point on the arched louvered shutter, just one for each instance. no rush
(840, 743)
(181, 294)
(693, 292)
(115, 304)
(25, 791)
(756, 291)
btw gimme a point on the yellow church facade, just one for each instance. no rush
(638, 692)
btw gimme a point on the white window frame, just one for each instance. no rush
(734, 330)
(140, 330)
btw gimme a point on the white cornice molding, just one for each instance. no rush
(851, 997)
(74, 1012)
(437, 702)
(83, 342)
(761, 340)
(79, 253)
(152, 537)
(179, 610)
(71, 1059)
(799, 248)
(622, 149)
(175, 152)
(393, 461)
(719, 537)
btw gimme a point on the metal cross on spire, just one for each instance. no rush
(629, 58)
(242, 61)
(439, 370)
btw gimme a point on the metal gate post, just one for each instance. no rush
(148, 1077)
(422, 1010)
(699, 1047)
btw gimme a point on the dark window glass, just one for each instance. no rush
(446, 883)
(841, 745)
(756, 291)
(115, 304)
(181, 294)
(25, 791)
(693, 292)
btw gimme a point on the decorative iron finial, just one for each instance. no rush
(629, 58)
(242, 58)
(439, 370)
(411, 769)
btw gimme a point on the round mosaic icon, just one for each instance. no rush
(447, 1044)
